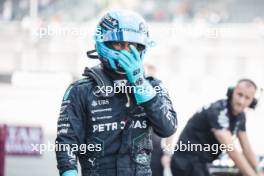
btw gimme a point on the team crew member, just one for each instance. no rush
(116, 126)
(212, 128)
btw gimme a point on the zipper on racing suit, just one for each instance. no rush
(128, 100)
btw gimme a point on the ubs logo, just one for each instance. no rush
(100, 102)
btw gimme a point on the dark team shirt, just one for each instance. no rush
(199, 129)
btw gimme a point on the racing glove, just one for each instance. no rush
(107, 53)
(133, 66)
(70, 173)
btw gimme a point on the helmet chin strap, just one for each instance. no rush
(91, 55)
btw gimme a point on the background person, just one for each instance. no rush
(215, 124)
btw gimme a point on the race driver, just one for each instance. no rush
(115, 127)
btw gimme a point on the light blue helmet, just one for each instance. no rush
(118, 26)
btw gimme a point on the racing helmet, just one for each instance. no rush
(120, 26)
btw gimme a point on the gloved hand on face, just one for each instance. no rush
(133, 66)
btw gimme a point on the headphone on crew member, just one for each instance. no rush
(230, 92)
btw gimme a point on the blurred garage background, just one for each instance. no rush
(202, 47)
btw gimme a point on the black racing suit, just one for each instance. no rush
(112, 134)
(192, 161)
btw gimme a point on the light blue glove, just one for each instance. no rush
(109, 54)
(133, 66)
(70, 173)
